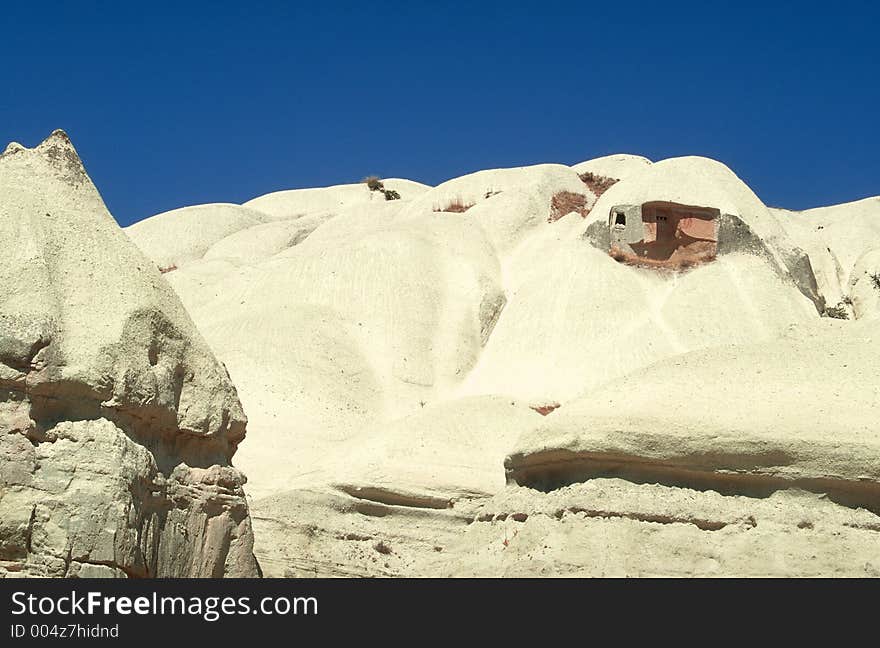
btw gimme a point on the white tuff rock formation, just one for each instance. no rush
(394, 358)
(457, 381)
(117, 423)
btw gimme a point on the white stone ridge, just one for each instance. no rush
(293, 203)
(111, 399)
(617, 166)
(809, 422)
(176, 237)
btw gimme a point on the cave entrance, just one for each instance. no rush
(664, 234)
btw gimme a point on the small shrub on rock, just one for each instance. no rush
(374, 183)
(456, 206)
(837, 312)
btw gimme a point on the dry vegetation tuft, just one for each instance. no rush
(836, 312)
(566, 202)
(596, 183)
(374, 183)
(456, 207)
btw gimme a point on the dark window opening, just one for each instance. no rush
(620, 219)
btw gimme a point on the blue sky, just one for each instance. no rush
(172, 104)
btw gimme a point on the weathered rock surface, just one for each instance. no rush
(842, 243)
(179, 236)
(797, 412)
(433, 458)
(117, 423)
(605, 527)
(464, 382)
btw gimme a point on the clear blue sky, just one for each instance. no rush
(189, 102)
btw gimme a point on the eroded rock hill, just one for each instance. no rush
(117, 423)
(396, 356)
